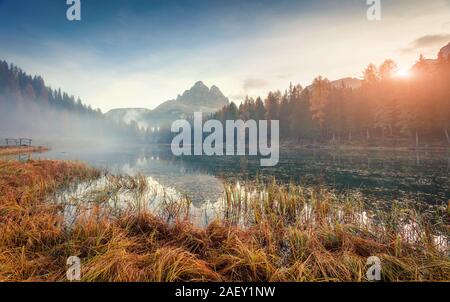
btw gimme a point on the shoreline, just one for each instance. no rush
(357, 147)
(363, 147)
(12, 150)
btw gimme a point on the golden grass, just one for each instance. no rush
(21, 149)
(289, 234)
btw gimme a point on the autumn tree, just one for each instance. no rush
(320, 97)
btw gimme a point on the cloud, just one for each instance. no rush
(249, 86)
(426, 42)
(407, 50)
(252, 83)
(284, 76)
(431, 40)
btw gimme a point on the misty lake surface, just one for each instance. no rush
(385, 176)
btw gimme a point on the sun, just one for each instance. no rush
(402, 73)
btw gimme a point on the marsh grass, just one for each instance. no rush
(264, 232)
(4, 150)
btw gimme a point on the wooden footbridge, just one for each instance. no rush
(22, 142)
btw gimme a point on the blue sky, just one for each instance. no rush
(139, 53)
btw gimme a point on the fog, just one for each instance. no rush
(50, 127)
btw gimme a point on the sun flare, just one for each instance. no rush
(402, 73)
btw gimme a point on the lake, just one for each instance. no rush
(385, 176)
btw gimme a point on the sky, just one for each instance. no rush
(140, 53)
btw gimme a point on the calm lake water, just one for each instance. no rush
(385, 176)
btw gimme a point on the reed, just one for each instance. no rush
(265, 232)
(21, 150)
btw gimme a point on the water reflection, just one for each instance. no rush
(122, 193)
(384, 175)
(239, 205)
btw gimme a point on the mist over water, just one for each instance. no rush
(47, 126)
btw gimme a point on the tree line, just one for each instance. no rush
(384, 106)
(29, 107)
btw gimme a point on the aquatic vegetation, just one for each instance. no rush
(125, 228)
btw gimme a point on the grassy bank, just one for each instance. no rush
(266, 233)
(21, 149)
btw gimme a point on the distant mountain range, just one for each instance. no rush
(199, 98)
(344, 82)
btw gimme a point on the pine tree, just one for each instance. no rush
(320, 98)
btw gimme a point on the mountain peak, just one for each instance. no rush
(199, 84)
(215, 91)
(201, 95)
(445, 51)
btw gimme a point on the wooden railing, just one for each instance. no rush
(18, 142)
